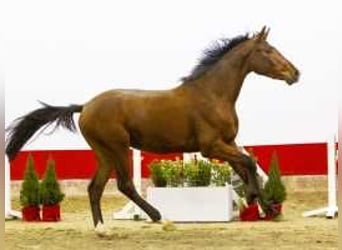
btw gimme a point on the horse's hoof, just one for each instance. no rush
(156, 217)
(252, 199)
(101, 230)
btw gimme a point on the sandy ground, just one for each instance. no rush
(75, 231)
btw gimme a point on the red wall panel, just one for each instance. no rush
(294, 159)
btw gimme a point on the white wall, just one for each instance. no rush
(65, 52)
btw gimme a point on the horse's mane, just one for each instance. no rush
(213, 54)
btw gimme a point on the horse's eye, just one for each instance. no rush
(267, 51)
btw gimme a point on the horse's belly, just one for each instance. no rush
(165, 142)
(164, 148)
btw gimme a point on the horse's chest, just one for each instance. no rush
(229, 129)
(227, 124)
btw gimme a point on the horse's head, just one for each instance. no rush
(267, 60)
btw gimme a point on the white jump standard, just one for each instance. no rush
(331, 210)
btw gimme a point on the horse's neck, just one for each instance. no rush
(226, 78)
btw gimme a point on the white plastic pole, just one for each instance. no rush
(191, 156)
(332, 199)
(137, 170)
(9, 213)
(7, 190)
(331, 210)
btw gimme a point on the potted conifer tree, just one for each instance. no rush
(274, 191)
(29, 193)
(51, 194)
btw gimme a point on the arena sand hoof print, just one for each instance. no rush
(102, 231)
(168, 225)
(107, 233)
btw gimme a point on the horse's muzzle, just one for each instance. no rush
(292, 77)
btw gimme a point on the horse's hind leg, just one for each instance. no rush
(119, 155)
(101, 177)
(96, 188)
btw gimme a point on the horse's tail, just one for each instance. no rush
(22, 129)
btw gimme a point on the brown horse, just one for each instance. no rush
(198, 115)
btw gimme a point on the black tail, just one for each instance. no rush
(24, 127)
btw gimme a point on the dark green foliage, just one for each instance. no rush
(49, 189)
(174, 173)
(195, 173)
(220, 173)
(158, 174)
(29, 193)
(198, 173)
(167, 173)
(274, 190)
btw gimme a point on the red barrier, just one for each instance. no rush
(294, 159)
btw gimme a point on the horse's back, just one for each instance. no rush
(153, 120)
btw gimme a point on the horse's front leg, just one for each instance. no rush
(242, 164)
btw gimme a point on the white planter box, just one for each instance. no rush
(192, 204)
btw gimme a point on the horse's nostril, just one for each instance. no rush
(297, 73)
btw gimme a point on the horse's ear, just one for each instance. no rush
(262, 35)
(263, 30)
(266, 33)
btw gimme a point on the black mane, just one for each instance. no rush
(213, 54)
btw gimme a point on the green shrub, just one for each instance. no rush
(50, 191)
(158, 173)
(167, 173)
(29, 193)
(174, 173)
(193, 173)
(198, 173)
(274, 190)
(220, 173)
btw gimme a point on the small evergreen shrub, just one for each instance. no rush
(50, 191)
(29, 193)
(274, 190)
